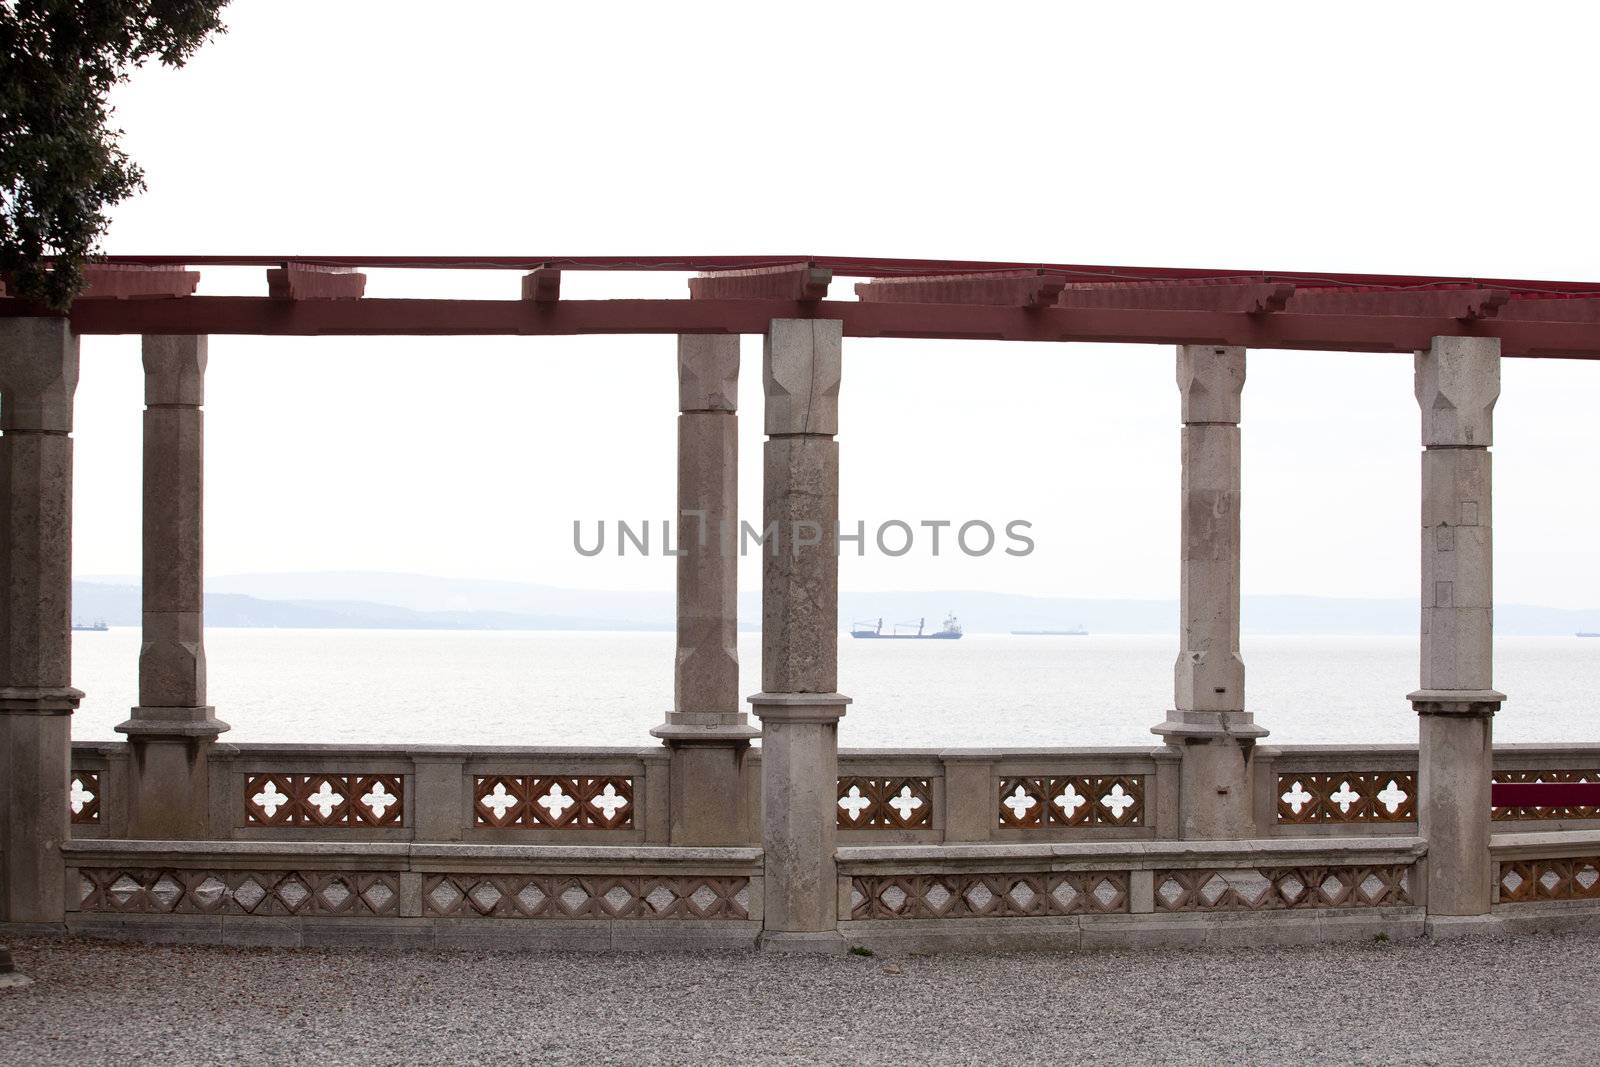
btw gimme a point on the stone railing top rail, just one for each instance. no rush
(129, 850)
(1249, 852)
(225, 750)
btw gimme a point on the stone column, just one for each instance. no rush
(798, 706)
(172, 729)
(707, 730)
(1209, 726)
(1458, 382)
(38, 375)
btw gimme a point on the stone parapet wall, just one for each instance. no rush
(621, 796)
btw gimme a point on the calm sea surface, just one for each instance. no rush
(548, 688)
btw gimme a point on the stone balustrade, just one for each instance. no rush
(623, 796)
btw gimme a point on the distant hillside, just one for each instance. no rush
(374, 600)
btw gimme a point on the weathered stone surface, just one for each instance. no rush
(1209, 726)
(799, 775)
(800, 583)
(1456, 765)
(711, 783)
(175, 370)
(801, 374)
(172, 728)
(1457, 383)
(708, 372)
(713, 790)
(35, 558)
(38, 374)
(707, 671)
(1211, 380)
(34, 770)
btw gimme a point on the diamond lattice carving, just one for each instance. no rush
(1550, 879)
(962, 896)
(1271, 889)
(179, 892)
(884, 803)
(539, 896)
(553, 801)
(345, 800)
(1369, 796)
(1082, 800)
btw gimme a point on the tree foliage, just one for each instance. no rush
(60, 164)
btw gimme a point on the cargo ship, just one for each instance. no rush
(99, 627)
(951, 631)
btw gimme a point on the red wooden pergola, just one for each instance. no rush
(322, 295)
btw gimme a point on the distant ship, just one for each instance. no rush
(1079, 632)
(98, 627)
(951, 631)
(1585, 633)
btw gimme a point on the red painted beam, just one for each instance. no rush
(1457, 302)
(543, 286)
(792, 281)
(121, 281)
(380, 317)
(866, 267)
(1016, 288)
(307, 281)
(1545, 794)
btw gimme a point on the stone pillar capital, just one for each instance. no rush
(785, 708)
(1457, 384)
(801, 369)
(1211, 380)
(708, 372)
(174, 370)
(38, 374)
(1456, 701)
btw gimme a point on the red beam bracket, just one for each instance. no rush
(793, 281)
(121, 281)
(542, 286)
(1011, 288)
(305, 281)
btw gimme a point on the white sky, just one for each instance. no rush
(1426, 138)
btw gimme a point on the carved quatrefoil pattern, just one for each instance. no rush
(1080, 800)
(324, 799)
(553, 801)
(1550, 879)
(987, 896)
(1276, 888)
(1580, 811)
(83, 797)
(116, 889)
(885, 803)
(539, 896)
(1369, 796)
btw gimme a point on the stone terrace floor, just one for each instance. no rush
(1532, 999)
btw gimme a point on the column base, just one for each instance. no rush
(713, 797)
(799, 707)
(1456, 701)
(827, 942)
(706, 727)
(1201, 726)
(1214, 774)
(157, 723)
(169, 797)
(39, 700)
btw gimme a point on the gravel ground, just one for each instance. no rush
(1532, 999)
